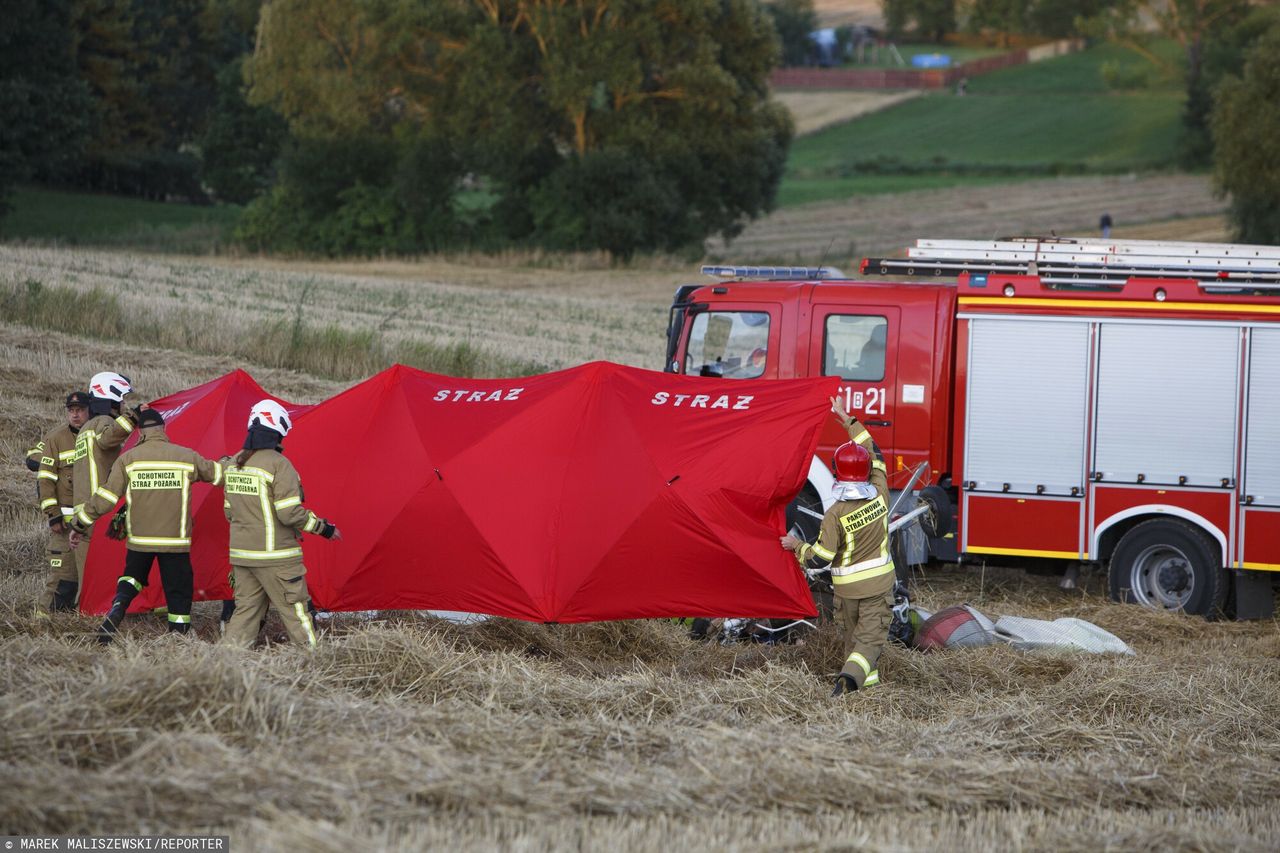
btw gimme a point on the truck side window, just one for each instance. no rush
(732, 344)
(853, 347)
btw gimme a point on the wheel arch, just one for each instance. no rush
(822, 481)
(1110, 530)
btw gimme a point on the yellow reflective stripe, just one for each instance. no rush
(285, 503)
(125, 423)
(48, 502)
(861, 437)
(46, 475)
(183, 516)
(159, 540)
(238, 553)
(823, 553)
(857, 658)
(179, 619)
(865, 574)
(305, 618)
(129, 580)
(90, 439)
(258, 472)
(102, 492)
(268, 521)
(83, 516)
(217, 473)
(67, 455)
(313, 523)
(160, 466)
(876, 463)
(872, 679)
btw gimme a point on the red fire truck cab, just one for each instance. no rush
(1126, 420)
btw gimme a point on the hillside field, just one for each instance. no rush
(405, 733)
(1055, 117)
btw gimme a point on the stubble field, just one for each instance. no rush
(404, 732)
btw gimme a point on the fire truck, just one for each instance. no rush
(1103, 403)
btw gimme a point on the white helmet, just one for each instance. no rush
(110, 386)
(270, 414)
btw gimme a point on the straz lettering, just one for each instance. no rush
(703, 401)
(501, 395)
(155, 480)
(241, 484)
(863, 516)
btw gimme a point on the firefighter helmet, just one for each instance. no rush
(110, 386)
(852, 463)
(270, 414)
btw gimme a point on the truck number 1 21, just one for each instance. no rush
(871, 401)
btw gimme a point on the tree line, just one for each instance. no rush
(409, 126)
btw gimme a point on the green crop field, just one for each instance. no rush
(106, 220)
(1049, 118)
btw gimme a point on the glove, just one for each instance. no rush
(118, 528)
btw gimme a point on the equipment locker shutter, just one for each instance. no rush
(1028, 387)
(1167, 397)
(1262, 450)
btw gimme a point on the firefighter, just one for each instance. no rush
(54, 490)
(155, 477)
(855, 540)
(99, 441)
(263, 503)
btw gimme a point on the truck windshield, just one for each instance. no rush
(732, 344)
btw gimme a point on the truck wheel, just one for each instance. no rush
(941, 515)
(805, 513)
(1169, 565)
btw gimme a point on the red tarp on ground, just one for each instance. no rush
(210, 419)
(598, 492)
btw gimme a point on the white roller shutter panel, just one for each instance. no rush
(1028, 382)
(1262, 450)
(1167, 403)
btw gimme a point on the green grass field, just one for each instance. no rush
(104, 220)
(1054, 117)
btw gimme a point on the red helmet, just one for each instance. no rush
(852, 463)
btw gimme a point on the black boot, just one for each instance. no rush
(107, 631)
(179, 627)
(844, 684)
(64, 597)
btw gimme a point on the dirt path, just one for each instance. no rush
(874, 225)
(815, 110)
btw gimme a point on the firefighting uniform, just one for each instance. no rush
(97, 448)
(155, 478)
(55, 463)
(854, 538)
(263, 503)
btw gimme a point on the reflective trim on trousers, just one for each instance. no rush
(861, 661)
(305, 618)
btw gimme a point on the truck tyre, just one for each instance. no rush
(1166, 564)
(941, 515)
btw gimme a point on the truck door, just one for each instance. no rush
(860, 345)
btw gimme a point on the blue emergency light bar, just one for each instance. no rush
(772, 273)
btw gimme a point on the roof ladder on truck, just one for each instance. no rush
(1091, 264)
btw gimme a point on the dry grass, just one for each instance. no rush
(408, 733)
(878, 225)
